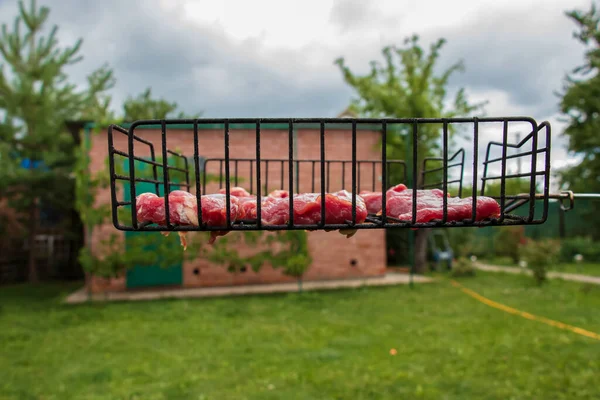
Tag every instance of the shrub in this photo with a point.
(585, 246)
(462, 267)
(468, 242)
(539, 254)
(507, 242)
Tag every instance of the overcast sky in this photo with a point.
(268, 58)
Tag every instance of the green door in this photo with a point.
(150, 275)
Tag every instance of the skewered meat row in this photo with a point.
(430, 205)
(275, 208)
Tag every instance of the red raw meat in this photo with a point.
(373, 199)
(150, 208)
(247, 210)
(183, 210)
(279, 194)
(430, 206)
(214, 212)
(214, 209)
(236, 191)
(307, 209)
(248, 205)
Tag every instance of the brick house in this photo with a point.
(334, 256)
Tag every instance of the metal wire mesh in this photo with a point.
(534, 147)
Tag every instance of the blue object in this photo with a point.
(26, 163)
(441, 253)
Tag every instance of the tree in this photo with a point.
(145, 107)
(512, 186)
(36, 98)
(580, 104)
(406, 86)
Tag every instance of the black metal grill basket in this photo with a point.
(485, 150)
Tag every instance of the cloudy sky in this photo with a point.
(268, 58)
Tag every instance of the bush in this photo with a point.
(585, 246)
(462, 267)
(539, 255)
(468, 242)
(507, 242)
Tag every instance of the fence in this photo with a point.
(560, 224)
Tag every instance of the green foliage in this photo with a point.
(507, 241)
(145, 107)
(463, 267)
(148, 249)
(86, 188)
(293, 257)
(512, 186)
(581, 105)
(540, 255)
(588, 248)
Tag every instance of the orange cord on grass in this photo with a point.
(524, 314)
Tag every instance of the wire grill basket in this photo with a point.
(442, 167)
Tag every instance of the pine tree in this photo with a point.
(36, 99)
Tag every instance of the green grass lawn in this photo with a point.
(325, 345)
(583, 268)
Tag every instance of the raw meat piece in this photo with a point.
(150, 208)
(214, 212)
(183, 210)
(430, 205)
(247, 209)
(214, 209)
(307, 209)
(373, 199)
(236, 191)
(248, 204)
(279, 194)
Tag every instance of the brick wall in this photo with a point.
(334, 256)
